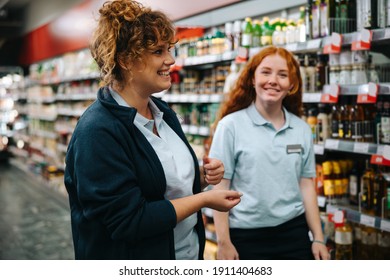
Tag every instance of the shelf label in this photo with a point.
(367, 220)
(319, 149)
(334, 46)
(385, 225)
(321, 201)
(363, 41)
(330, 93)
(184, 98)
(204, 131)
(204, 98)
(193, 129)
(216, 97)
(386, 152)
(379, 160)
(332, 144)
(370, 96)
(361, 148)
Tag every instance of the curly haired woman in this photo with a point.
(134, 182)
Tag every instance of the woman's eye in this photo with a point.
(158, 51)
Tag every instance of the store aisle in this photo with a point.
(34, 221)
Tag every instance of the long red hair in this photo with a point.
(243, 93)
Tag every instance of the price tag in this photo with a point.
(292, 47)
(371, 95)
(216, 98)
(314, 44)
(387, 33)
(367, 220)
(185, 128)
(332, 144)
(319, 149)
(184, 98)
(385, 225)
(386, 152)
(193, 129)
(334, 45)
(204, 131)
(174, 97)
(361, 148)
(204, 98)
(363, 41)
(330, 93)
(193, 98)
(321, 201)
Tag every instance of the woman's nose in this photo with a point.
(169, 60)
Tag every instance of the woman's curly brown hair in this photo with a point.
(125, 30)
(243, 93)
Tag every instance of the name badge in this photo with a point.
(297, 148)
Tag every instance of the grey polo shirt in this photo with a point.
(265, 165)
(179, 170)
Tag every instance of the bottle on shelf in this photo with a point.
(369, 243)
(383, 248)
(343, 240)
(266, 36)
(354, 183)
(323, 127)
(368, 123)
(367, 188)
(312, 121)
(385, 122)
(335, 120)
(329, 181)
(315, 19)
(379, 192)
(357, 241)
(247, 33)
(257, 33)
(357, 122)
(308, 20)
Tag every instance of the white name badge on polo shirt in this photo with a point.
(296, 148)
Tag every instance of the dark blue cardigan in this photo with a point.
(116, 186)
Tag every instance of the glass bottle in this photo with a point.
(357, 121)
(379, 192)
(369, 242)
(357, 241)
(266, 37)
(335, 117)
(327, 170)
(343, 240)
(322, 124)
(312, 121)
(367, 189)
(354, 183)
(385, 123)
(383, 248)
(256, 38)
(247, 33)
(308, 20)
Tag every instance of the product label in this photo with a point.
(343, 238)
(353, 186)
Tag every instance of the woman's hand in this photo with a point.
(213, 170)
(320, 251)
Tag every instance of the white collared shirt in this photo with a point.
(179, 170)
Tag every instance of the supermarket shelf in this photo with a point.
(355, 216)
(193, 98)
